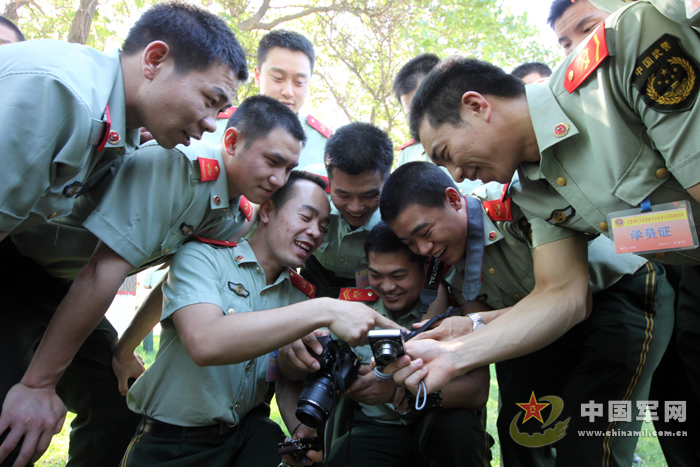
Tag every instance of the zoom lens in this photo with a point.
(316, 401)
(387, 352)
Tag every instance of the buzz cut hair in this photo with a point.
(556, 11)
(287, 40)
(18, 32)
(381, 239)
(258, 115)
(359, 147)
(280, 197)
(407, 78)
(525, 69)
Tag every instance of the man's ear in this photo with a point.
(266, 210)
(475, 105)
(453, 198)
(231, 137)
(256, 75)
(154, 56)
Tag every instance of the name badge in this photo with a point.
(362, 278)
(692, 7)
(665, 227)
(273, 369)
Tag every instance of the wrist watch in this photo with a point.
(477, 320)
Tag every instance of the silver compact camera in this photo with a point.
(387, 345)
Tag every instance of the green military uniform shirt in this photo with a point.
(386, 413)
(686, 12)
(416, 153)
(615, 140)
(146, 210)
(508, 270)
(311, 153)
(175, 389)
(343, 249)
(52, 121)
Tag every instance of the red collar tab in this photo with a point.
(210, 241)
(209, 169)
(499, 210)
(357, 295)
(408, 143)
(246, 208)
(318, 126)
(105, 134)
(592, 55)
(228, 113)
(302, 284)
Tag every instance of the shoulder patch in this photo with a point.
(357, 295)
(498, 210)
(592, 55)
(302, 284)
(318, 126)
(211, 241)
(246, 208)
(408, 143)
(665, 76)
(228, 113)
(209, 169)
(559, 216)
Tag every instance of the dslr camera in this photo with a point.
(339, 369)
(387, 345)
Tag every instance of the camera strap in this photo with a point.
(430, 286)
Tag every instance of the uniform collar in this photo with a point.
(128, 139)
(413, 313)
(547, 120)
(489, 192)
(369, 225)
(219, 188)
(244, 254)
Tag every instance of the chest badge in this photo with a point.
(238, 289)
(560, 216)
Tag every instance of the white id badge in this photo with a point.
(667, 227)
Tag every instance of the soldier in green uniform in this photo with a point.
(608, 358)
(166, 66)
(405, 85)
(386, 430)
(9, 32)
(284, 71)
(224, 310)
(358, 160)
(133, 219)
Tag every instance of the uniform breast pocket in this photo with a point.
(645, 174)
(238, 298)
(174, 240)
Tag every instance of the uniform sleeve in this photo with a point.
(44, 134)
(149, 192)
(672, 127)
(193, 278)
(544, 232)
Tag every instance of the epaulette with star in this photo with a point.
(587, 60)
(302, 284)
(318, 126)
(499, 209)
(351, 294)
(208, 168)
(211, 241)
(227, 114)
(246, 208)
(408, 143)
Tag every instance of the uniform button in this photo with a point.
(166, 251)
(342, 260)
(603, 226)
(224, 210)
(516, 296)
(492, 271)
(571, 75)
(248, 366)
(257, 269)
(461, 192)
(659, 255)
(561, 181)
(120, 150)
(52, 215)
(216, 200)
(262, 293)
(235, 405)
(662, 173)
(231, 311)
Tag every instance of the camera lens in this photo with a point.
(387, 351)
(316, 401)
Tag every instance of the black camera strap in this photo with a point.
(430, 286)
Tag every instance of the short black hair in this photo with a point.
(6, 22)
(359, 147)
(280, 197)
(416, 68)
(381, 239)
(197, 39)
(421, 183)
(258, 115)
(440, 94)
(525, 69)
(287, 40)
(556, 10)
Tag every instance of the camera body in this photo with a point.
(387, 345)
(339, 369)
(299, 447)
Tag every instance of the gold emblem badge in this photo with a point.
(238, 289)
(560, 216)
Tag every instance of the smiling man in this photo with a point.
(147, 210)
(284, 70)
(358, 160)
(179, 66)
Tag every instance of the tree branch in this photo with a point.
(82, 21)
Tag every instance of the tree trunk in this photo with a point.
(82, 21)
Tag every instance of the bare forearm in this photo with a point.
(287, 394)
(470, 391)
(146, 318)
